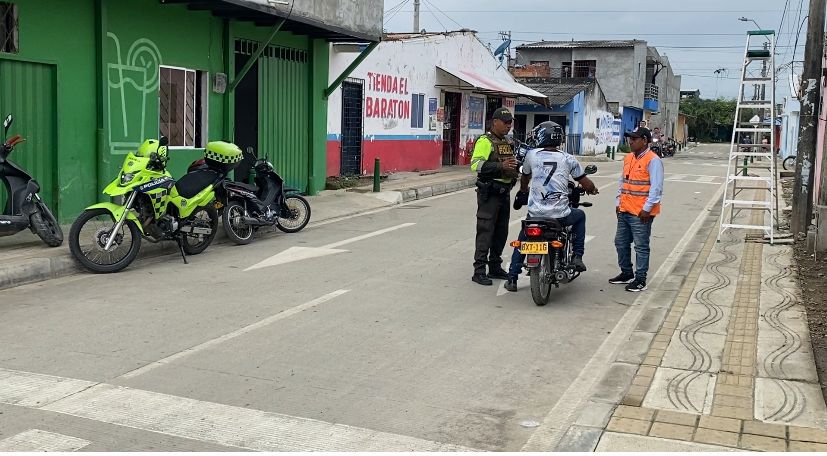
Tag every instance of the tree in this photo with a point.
(710, 120)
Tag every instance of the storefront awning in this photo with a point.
(469, 80)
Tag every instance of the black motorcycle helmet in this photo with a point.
(547, 134)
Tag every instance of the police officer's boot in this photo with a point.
(482, 279)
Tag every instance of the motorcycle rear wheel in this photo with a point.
(196, 243)
(540, 290)
(45, 225)
(300, 214)
(232, 218)
(91, 257)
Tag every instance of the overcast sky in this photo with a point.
(699, 36)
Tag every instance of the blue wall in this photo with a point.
(631, 120)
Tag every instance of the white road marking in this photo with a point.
(501, 289)
(37, 440)
(676, 176)
(304, 253)
(240, 332)
(225, 425)
(37, 390)
(557, 422)
(706, 179)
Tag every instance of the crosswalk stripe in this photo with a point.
(37, 440)
(676, 177)
(230, 426)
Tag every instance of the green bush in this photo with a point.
(624, 148)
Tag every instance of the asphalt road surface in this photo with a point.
(363, 334)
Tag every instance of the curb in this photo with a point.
(35, 270)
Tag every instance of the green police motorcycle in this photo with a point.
(106, 237)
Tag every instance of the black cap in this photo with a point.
(640, 132)
(503, 114)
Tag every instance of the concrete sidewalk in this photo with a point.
(24, 258)
(721, 359)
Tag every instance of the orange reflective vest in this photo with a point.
(634, 191)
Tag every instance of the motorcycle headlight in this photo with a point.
(127, 178)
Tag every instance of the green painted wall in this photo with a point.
(73, 55)
(142, 35)
(106, 55)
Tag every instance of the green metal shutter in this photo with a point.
(284, 112)
(28, 91)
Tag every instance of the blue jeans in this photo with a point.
(576, 219)
(631, 229)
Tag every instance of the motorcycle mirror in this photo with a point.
(591, 169)
(7, 123)
(163, 142)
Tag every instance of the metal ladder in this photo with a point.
(754, 118)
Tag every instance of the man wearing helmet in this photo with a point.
(544, 186)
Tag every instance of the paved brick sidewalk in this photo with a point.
(725, 365)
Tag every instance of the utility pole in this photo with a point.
(808, 134)
(416, 16)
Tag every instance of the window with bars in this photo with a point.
(8, 28)
(182, 113)
(418, 110)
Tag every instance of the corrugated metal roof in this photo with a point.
(558, 90)
(581, 44)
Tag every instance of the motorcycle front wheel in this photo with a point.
(44, 224)
(89, 235)
(233, 220)
(203, 217)
(540, 287)
(299, 214)
(789, 163)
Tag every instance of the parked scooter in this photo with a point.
(548, 249)
(247, 208)
(24, 208)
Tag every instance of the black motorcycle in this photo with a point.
(24, 208)
(548, 249)
(247, 208)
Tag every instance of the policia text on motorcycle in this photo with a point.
(496, 167)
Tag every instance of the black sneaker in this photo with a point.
(577, 262)
(482, 279)
(511, 285)
(637, 286)
(497, 273)
(622, 278)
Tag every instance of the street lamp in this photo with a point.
(746, 19)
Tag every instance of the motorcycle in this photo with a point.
(248, 208)
(548, 249)
(24, 208)
(669, 148)
(157, 208)
(657, 147)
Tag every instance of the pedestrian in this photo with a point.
(496, 169)
(544, 187)
(638, 203)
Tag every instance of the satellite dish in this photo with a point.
(503, 47)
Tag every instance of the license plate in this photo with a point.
(534, 248)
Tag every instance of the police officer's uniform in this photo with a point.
(493, 200)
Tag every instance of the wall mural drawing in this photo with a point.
(131, 82)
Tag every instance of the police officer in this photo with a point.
(496, 169)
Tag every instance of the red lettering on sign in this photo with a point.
(369, 107)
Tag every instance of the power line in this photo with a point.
(443, 13)
(606, 11)
(425, 3)
(404, 2)
(620, 34)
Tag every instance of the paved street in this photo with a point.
(364, 333)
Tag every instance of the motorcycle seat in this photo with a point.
(193, 183)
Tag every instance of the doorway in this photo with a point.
(352, 127)
(246, 116)
(451, 129)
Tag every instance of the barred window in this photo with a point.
(182, 106)
(8, 28)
